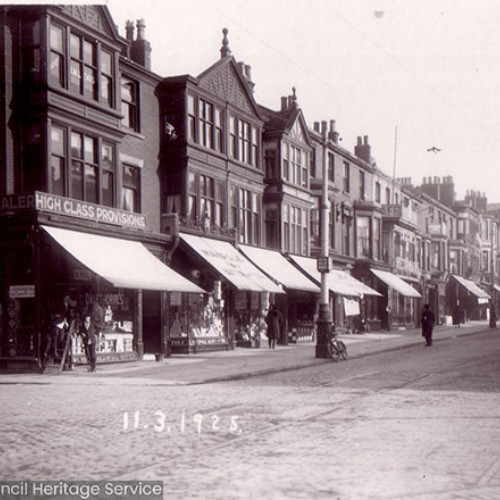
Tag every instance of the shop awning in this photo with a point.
(339, 282)
(396, 283)
(496, 287)
(124, 263)
(471, 287)
(231, 264)
(279, 268)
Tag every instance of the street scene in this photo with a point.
(396, 420)
(249, 250)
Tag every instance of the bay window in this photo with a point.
(73, 65)
(81, 166)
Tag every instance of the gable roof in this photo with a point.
(289, 121)
(97, 17)
(225, 80)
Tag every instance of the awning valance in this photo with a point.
(279, 268)
(339, 282)
(396, 283)
(351, 307)
(123, 263)
(231, 264)
(471, 287)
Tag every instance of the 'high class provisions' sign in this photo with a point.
(73, 208)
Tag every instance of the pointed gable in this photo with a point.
(297, 131)
(296, 127)
(224, 80)
(94, 16)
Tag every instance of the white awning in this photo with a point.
(124, 263)
(279, 268)
(396, 283)
(339, 282)
(471, 287)
(231, 264)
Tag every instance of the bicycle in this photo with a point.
(339, 349)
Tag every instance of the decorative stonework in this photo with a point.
(225, 83)
(88, 14)
(297, 131)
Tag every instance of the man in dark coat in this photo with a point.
(427, 321)
(92, 325)
(274, 319)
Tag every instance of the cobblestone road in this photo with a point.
(369, 428)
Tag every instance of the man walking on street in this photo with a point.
(274, 319)
(427, 321)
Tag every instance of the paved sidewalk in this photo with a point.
(240, 363)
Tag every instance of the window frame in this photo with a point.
(130, 106)
(90, 70)
(135, 188)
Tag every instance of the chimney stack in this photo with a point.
(333, 135)
(140, 50)
(363, 149)
(324, 128)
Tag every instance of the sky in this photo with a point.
(409, 74)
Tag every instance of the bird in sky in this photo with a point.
(434, 149)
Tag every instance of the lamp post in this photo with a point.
(323, 345)
(493, 314)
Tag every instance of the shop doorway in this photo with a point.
(152, 336)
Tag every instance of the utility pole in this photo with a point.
(323, 344)
(493, 314)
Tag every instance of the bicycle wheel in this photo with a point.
(335, 352)
(342, 349)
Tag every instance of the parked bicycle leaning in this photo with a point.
(338, 348)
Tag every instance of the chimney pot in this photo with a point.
(141, 27)
(316, 127)
(365, 139)
(284, 103)
(129, 30)
(324, 127)
(359, 141)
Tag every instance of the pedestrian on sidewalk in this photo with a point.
(274, 319)
(93, 324)
(427, 321)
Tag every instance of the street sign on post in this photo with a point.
(323, 264)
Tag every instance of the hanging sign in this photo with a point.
(22, 291)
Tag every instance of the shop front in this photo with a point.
(465, 300)
(348, 295)
(298, 305)
(232, 313)
(401, 305)
(49, 261)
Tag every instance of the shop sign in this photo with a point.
(22, 291)
(13, 202)
(323, 264)
(73, 208)
(81, 275)
(89, 211)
